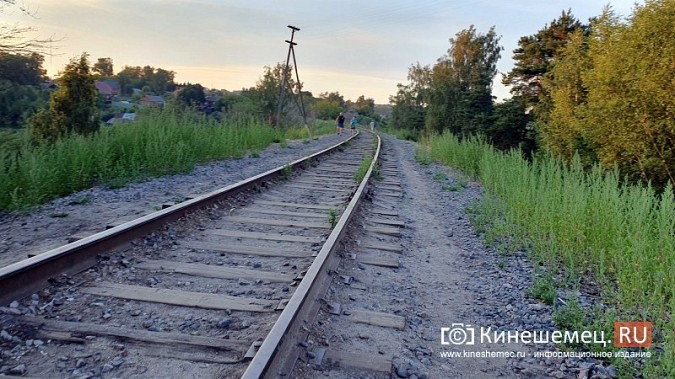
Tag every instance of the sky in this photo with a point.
(354, 47)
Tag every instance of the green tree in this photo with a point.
(22, 69)
(512, 127)
(104, 67)
(266, 92)
(19, 102)
(410, 102)
(72, 108)
(533, 59)
(158, 80)
(161, 81)
(612, 94)
(562, 131)
(631, 92)
(191, 95)
(461, 83)
(365, 106)
(328, 105)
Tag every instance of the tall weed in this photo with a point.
(587, 223)
(159, 143)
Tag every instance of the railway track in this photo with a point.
(355, 331)
(226, 284)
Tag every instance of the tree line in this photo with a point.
(603, 90)
(72, 104)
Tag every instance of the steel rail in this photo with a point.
(279, 352)
(23, 278)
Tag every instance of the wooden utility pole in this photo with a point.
(291, 51)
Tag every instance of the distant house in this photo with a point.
(114, 86)
(152, 101)
(108, 88)
(104, 88)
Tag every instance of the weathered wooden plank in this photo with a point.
(181, 298)
(387, 187)
(384, 221)
(330, 177)
(385, 247)
(316, 188)
(287, 223)
(263, 236)
(68, 330)
(373, 362)
(386, 320)
(322, 215)
(375, 260)
(384, 230)
(250, 250)
(335, 169)
(341, 184)
(295, 205)
(390, 194)
(384, 212)
(210, 271)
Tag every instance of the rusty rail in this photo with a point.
(23, 278)
(278, 353)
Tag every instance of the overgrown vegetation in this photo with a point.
(332, 217)
(601, 90)
(362, 170)
(584, 226)
(161, 143)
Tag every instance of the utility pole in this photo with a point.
(291, 51)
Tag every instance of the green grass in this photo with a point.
(310, 131)
(544, 289)
(286, 172)
(581, 224)
(332, 217)
(362, 170)
(159, 143)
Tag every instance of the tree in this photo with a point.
(533, 59)
(365, 107)
(19, 102)
(328, 105)
(72, 108)
(104, 67)
(22, 69)
(158, 80)
(612, 94)
(460, 97)
(631, 98)
(562, 131)
(512, 127)
(161, 81)
(192, 95)
(266, 92)
(410, 102)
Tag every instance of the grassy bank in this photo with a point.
(159, 143)
(589, 226)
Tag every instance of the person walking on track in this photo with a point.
(352, 126)
(340, 121)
